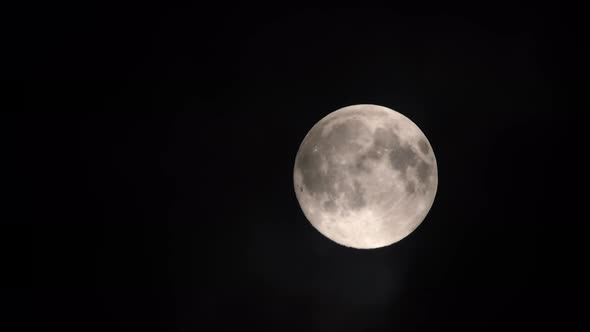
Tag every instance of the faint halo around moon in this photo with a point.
(365, 176)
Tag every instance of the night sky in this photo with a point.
(152, 169)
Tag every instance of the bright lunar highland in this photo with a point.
(365, 176)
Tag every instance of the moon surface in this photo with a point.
(365, 176)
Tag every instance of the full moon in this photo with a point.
(365, 176)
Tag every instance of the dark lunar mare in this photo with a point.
(410, 187)
(424, 169)
(423, 145)
(402, 157)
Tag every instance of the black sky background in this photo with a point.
(152, 168)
